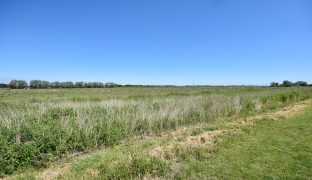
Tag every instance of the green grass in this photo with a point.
(98, 94)
(128, 165)
(55, 123)
(280, 149)
(270, 150)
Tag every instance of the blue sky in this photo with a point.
(156, 41)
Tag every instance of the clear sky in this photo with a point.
(156, 41)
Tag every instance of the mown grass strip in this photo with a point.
(269, 150)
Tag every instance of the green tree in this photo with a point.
(110, 85)
(2, 85)
(101, 85)
(13, 84)
(274, 84)
(44, 84)
(287, 83)
(18, 84)
(55, 84)
(301, 83)
(35, 84)
(79, 84)
(21, 84)
(69, 84)
(88, 85)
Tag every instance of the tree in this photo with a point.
(21, 84)
(68, 84)
(301, 83)
(110, 85)
(13, 84)
(274, 84)
(93, 85)
(55, 84)
(100, 85)
(88, 85)
(79, 84)
(2, 85)
(287, 83)
(18, 84)
(97, 85)
(35, 84)
(44, 84)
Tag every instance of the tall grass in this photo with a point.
(49, 130)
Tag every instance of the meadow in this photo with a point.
(41, 126)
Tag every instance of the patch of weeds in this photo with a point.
(209, 129)
(81, 166)
(135, 166)
(182, 153)
(196, 132)
(27, 176)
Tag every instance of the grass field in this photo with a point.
(142, 132)
(270, 150)
(273, 146)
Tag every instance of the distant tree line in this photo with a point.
(2, 85)
(18, 84)
(39, 84)
(287, 83)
